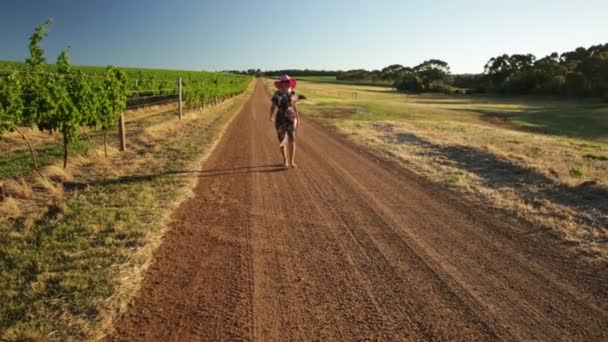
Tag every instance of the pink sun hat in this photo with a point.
(285, 78)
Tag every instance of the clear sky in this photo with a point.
(314, 34)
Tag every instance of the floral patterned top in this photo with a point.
(284, 103)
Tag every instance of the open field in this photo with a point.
(541, 160)
(333, 80)
(74, 245)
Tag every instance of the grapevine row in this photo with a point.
(65, 99)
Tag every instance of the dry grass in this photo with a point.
(548, 180)
(29, 199)
(54, 190)
(18, 188)
(144, 112)
(10, 208)
(12, 141)
(56, 173)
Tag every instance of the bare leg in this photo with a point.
(284, 154)
(292, 153)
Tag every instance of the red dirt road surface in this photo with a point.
(350, 246)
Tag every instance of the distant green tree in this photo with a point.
(499, 69)
(520, 62)
(394, 72)
(595, 70)
(376, 76)
(353, 75)
(410, 82)
(435, 74)
(573, 58)
(576, 84)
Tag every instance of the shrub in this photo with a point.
(577, 172)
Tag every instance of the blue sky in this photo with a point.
(314, 34)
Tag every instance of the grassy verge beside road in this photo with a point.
(74, 246)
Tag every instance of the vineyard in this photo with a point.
(75, 236)
(66, 99)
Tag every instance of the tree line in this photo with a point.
(582, 72)
(579, 73)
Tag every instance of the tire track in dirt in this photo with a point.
(351, 246)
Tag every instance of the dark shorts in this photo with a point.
(286, 129)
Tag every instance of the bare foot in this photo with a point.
(286, 165)
(294, 165)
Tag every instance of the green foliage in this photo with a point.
(553, 85)
(37, 60)
(371, 76)
(11, 103)
(455, 178)
(114, 99)
(577, 172)
(63, 62)
(498, 69)
(36, 96)
(430, 76)
(578, 73)
(68, 118)
(87, 97)
(395, 72)
(410, 82)
(433, 71)
(215, 87)
(576, 84)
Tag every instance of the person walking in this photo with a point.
(286, 119)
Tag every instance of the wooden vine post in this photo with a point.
(179, 102)
(122, 132)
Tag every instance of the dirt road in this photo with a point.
(350, 246)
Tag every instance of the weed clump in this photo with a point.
(577, 172)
